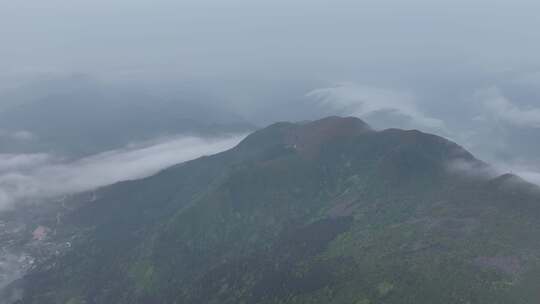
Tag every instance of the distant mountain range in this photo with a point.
(326, 211)
(80, 116)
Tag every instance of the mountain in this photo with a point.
(78, 116)
(327, 211)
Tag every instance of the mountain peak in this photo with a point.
(311, 135)
(307, 136)
(349, 125)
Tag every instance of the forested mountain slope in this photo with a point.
(328, 211)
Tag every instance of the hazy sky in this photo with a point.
(323, 39)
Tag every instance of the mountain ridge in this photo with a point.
(329, 211)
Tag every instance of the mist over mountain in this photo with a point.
(329, 211)
(116, 132)
(62, 136)
(79, 116)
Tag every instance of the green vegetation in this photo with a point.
(323, 212)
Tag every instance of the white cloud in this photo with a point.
(528, 172)
(10, 162)
(21, 135)
(530, 176)
(472, 169)
(34, 176)
(525, 169)
(499, 107)
(364, 101)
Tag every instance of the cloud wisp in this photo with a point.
(527, 171)
(35, 176)
(498, 106)
(365, 101)
(493, 111)
(20, 135)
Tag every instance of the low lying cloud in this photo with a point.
(472, 169)
(530, 176)
(500, 107)
(477, 170)
(364, 101)
(10, 162)
(35, 176)
(527, 171)
(20, 135)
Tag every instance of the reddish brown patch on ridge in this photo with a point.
(308, 138)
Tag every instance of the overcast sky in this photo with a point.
(465, 69)
(325, 39)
